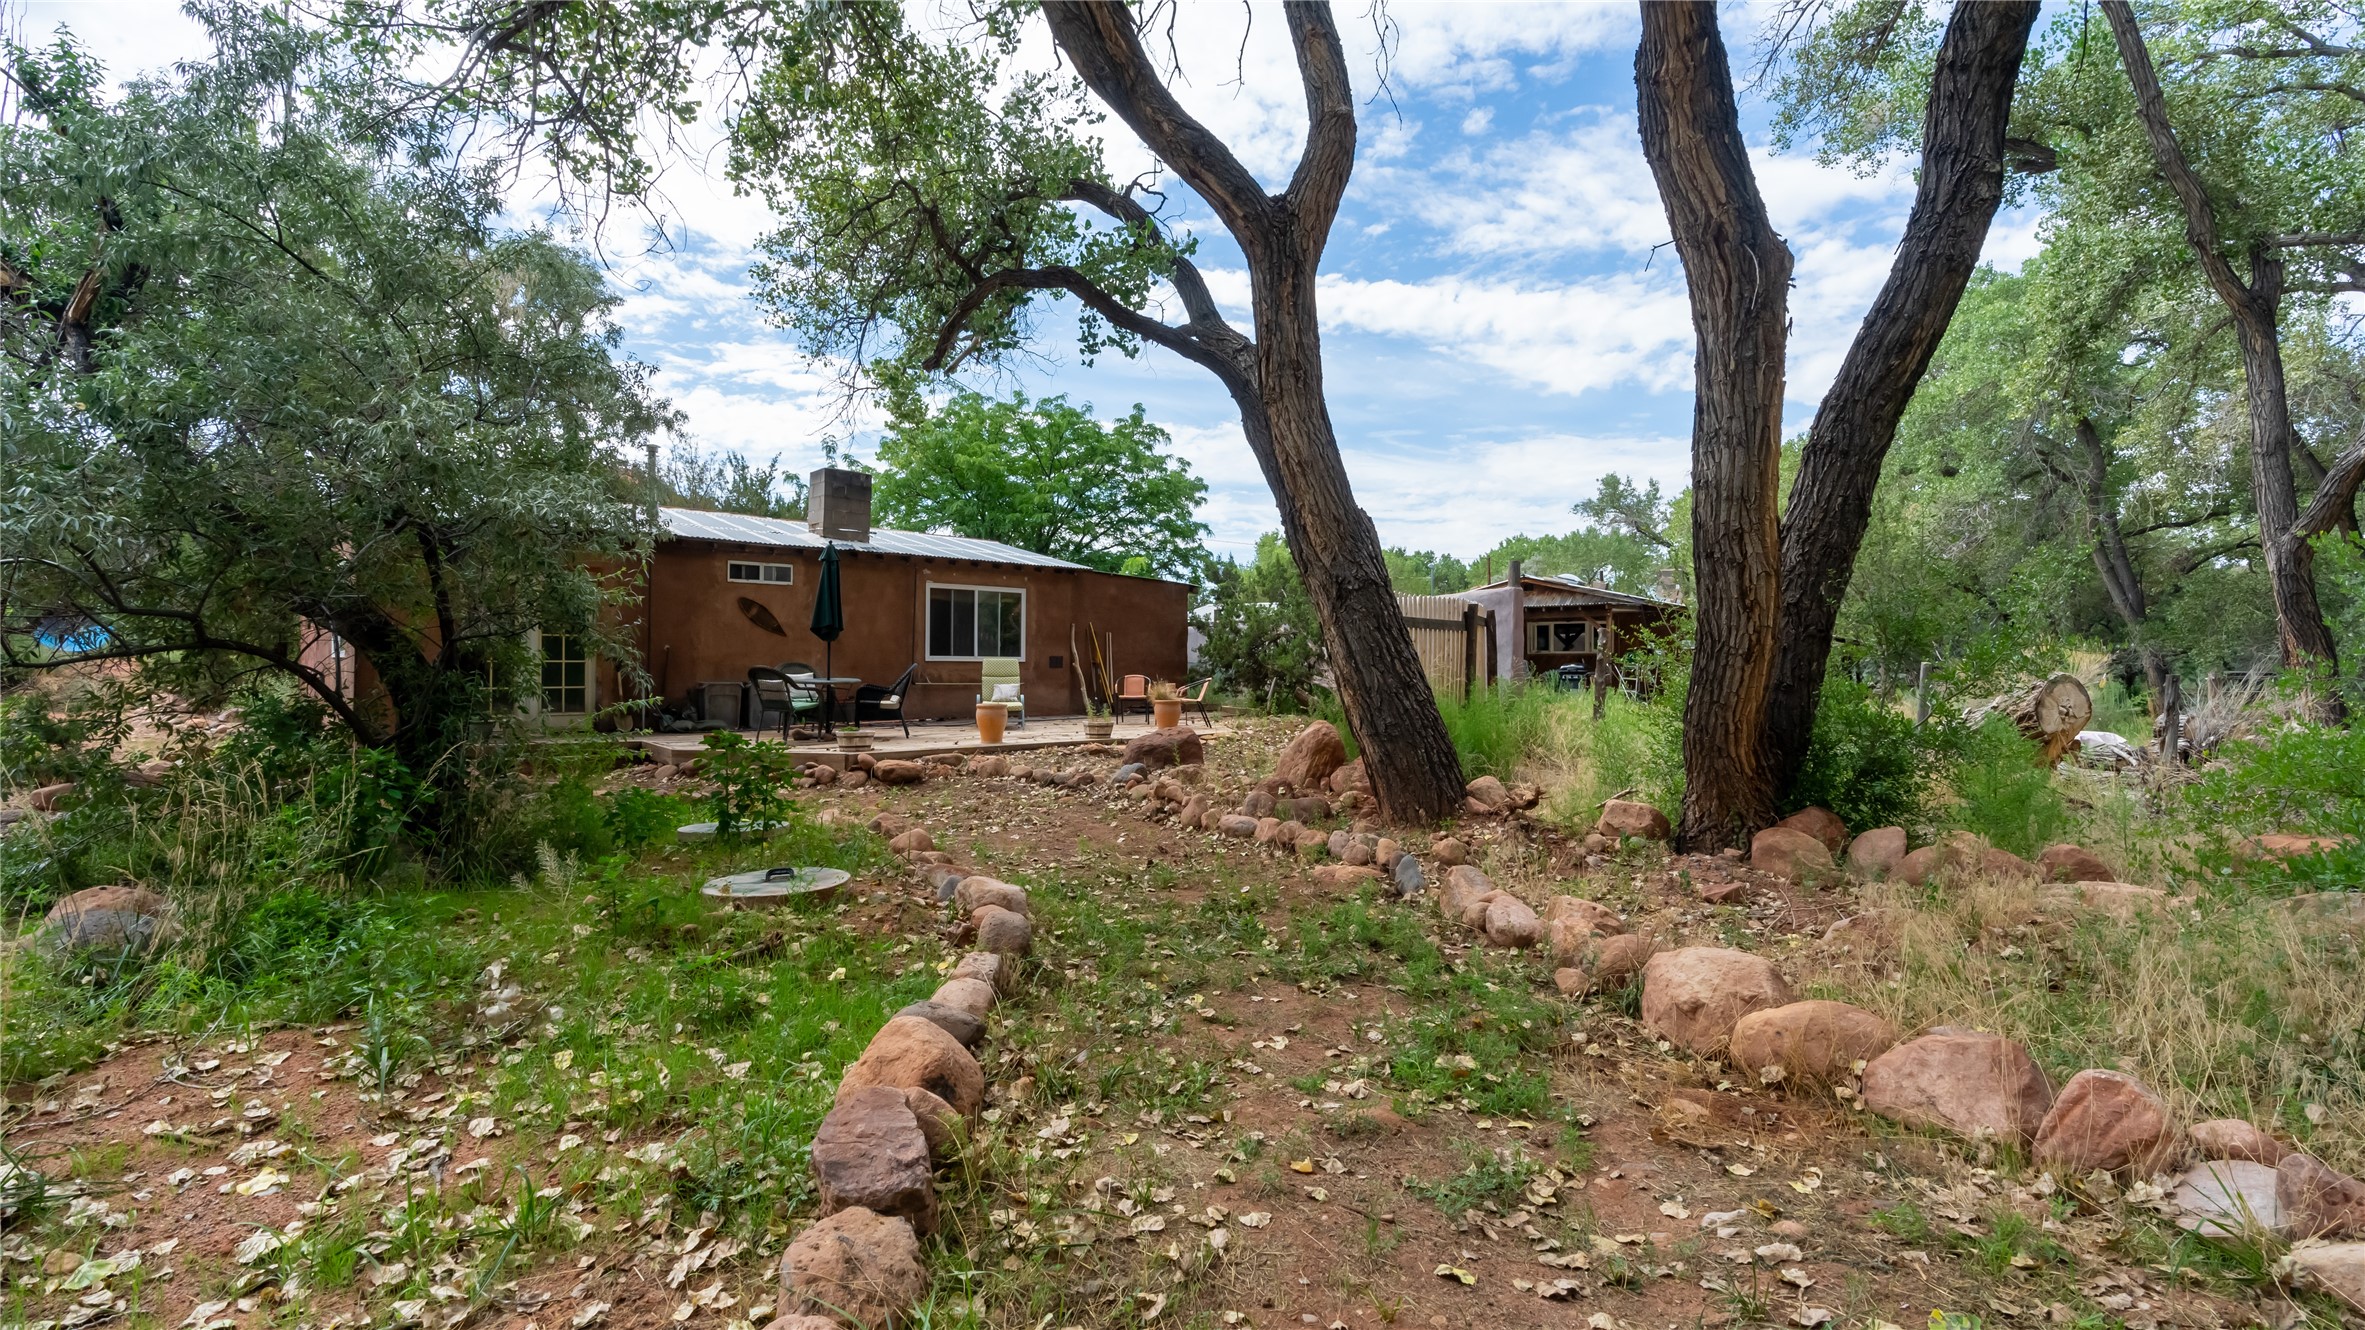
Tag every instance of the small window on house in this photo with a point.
(1541, 635)
(763, 572)
(566, 675)
(965, 623)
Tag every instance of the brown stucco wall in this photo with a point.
(697, 632)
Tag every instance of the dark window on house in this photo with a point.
(763, 572)
(965, 623)
(566, 675)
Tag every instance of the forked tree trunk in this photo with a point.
(1277, 380)
(1962, 181)
(2256, 307)
(1737, 271)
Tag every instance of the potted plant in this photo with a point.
(1165, 704)
(992, 719)
(853, 739)
(1098, 725)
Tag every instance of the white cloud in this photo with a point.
(1580, 337)
(1479, 120)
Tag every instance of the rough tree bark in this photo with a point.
(1738, 274)
(1277, 378)
(1962, 181)
(2256, 307)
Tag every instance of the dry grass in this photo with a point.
(2227, 1009)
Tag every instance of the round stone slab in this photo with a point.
(766, 888)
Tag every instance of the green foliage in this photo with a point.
(1868, 762)
(320, 390)
(1630, 532)
(42, 744)
(1048, 477)
(748, 780)
(1495, 729)
(1264, 641)
(729, 482)
(2003, 793)
(1426, 573)
(2296, 777)
(1494, 1179)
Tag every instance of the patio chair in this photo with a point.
(1196, 699)
(815, 700)
(872, 702)
(776, 692)
(998, 681)
(1133, 693)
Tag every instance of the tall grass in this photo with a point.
(1537, 733)
(2228, 1008)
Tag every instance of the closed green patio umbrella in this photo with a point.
(829, 611)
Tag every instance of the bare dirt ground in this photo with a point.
(1648, 1190)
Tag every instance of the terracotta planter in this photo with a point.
(1099, 727)
(1166, 714)
(992, 717)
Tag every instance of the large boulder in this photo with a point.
(1626, 817)
(2232, 1138)
(1003, 932)
(908, 1052)
(1463, 884)
(113, 919)
(50, 798)
(959, 1022)
(2228, 1198)
(1239, 826)
(1788, 852)
(1877, 852)
(2318, 1201)
(2337, 1268)
(2106, 1120)
(1969, 1084)
(1175, 746)
(1351, 779)
(1593, 914)
(915, 841)
(1822, 824)
(1813, 1042)
(1931, 861)
(990, 968)
(974, 996)
(858, 1265)
(1448, 851)
(2071, 863)
(1311, 755)
(1486, 796)
(1510, 923)
(1604, 963)
(2007, 865)
(977, 891)
(1695, 995)
(896, 771)
(870, 1152)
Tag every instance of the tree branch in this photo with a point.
(2334, 504)
(1103, 40)
(1329, 156)
(2151, 107)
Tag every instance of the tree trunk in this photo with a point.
(2050, 714)
(1962, 181)
(1737, 271)
(2256, 309)
(1414, 769)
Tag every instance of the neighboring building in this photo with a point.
(1545, 623)
(729, 591)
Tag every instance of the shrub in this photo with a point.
(2303, 778)
(2003, 794)
(1868, 763)
(1495, 729)
(746, 777)
(42, 744)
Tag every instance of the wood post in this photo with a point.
(1469, 650)
(2171, 721)
(1921, 696)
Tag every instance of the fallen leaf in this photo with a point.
(591, 1312)
(1457, 1273)
(1675, 1209)
(1301, 1165)
(1255, 1219)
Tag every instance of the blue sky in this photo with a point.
(1499, 331)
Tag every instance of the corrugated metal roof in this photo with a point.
(738, 528)
(1566, 590)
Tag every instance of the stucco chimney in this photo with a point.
(837, 504)
(1669, 588)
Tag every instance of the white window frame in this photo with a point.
(533, 700)
(1540, 638)
(928, 614)
(763, 572)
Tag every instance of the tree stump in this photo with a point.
(2050, 714)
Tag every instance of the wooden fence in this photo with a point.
(1454, 638)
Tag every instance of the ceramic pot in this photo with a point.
(1166, 713)
(992, 717)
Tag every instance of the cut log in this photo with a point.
(2050, 713)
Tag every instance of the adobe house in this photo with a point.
(1543, 623)
(728, 591)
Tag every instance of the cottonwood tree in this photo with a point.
(931, 193)
(1770, 584)
(1045, 476)
(2292, 79)
(263, 382)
